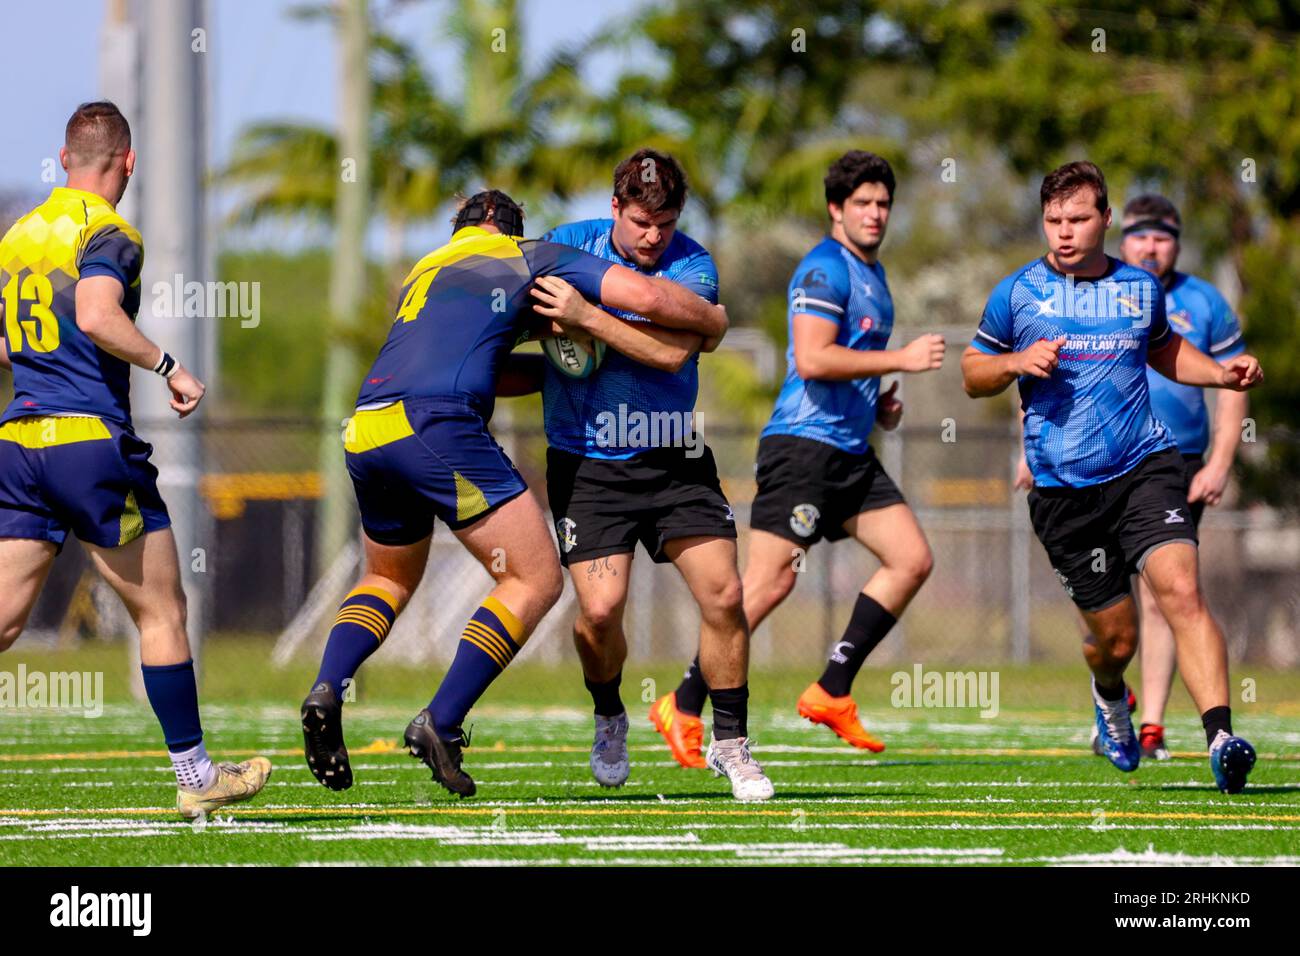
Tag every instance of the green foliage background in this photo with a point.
(1200, 100)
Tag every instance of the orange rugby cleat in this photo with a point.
(683, 732)
(840, 714)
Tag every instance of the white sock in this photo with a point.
(194, 769)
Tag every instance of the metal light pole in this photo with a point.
(172, 156)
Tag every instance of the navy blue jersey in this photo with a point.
(578, 410)
(464, 307)
(1091, 421)
(833, 284)
(1199, 314)
(57, 368)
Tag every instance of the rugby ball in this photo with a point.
(572, 358)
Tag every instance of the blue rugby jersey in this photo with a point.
(1091, 421)
(1201, 315)
(834, 284)
(578, 411)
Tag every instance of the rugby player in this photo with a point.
(611, 486)
(1197, 312)
(1076, 329)
(70, 460)
(418, 447)
(817, 475)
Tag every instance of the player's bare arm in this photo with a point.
(817, 356)
(644, 342)
(662, 301)
(1209, 483)
(984, 375)
(100, 316)
(1183, 362)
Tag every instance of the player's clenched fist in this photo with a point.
(187, 391)
(1041, 358)
(1242, 372)
(889, 410)
(923, 354)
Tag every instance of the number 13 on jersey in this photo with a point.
(27, 314)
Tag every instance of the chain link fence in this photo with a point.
(255, 563)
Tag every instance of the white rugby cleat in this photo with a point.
(732, 759)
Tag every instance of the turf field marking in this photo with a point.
(392, 747)
(1152, 857)
(652, 811)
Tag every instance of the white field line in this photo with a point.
(1152, 857)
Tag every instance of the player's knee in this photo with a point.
(918, 565)
(550, 585)
(1180, 599)
(599, 618)
(725, 601)
(1119, 642)
(543, 580)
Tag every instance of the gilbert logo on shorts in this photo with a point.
(803, 520)
(564, 530)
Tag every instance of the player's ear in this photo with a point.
(130, 162)
(836, 212)
(1105, 217)
(613, 206)
(63, 157)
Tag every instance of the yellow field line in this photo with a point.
(490, 810)
(391, 746)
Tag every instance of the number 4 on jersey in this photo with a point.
(416, 296)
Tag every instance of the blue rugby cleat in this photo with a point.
(1116, 740)
(1231, 759)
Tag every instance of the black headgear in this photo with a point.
(506, 213)
(1151, 225)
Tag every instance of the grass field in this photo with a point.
(952, 788)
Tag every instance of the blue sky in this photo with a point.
(263, 64)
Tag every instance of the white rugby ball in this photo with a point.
(572, 358)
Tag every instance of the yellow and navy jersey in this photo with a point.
(57, 368)
(464, 307)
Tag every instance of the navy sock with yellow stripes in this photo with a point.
(363, 621)
(489, 642)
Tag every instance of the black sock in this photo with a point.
(605, 696)
(1214, 720)
(868, 626)
(692, 691)
(730, 712)
(1109, 693)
